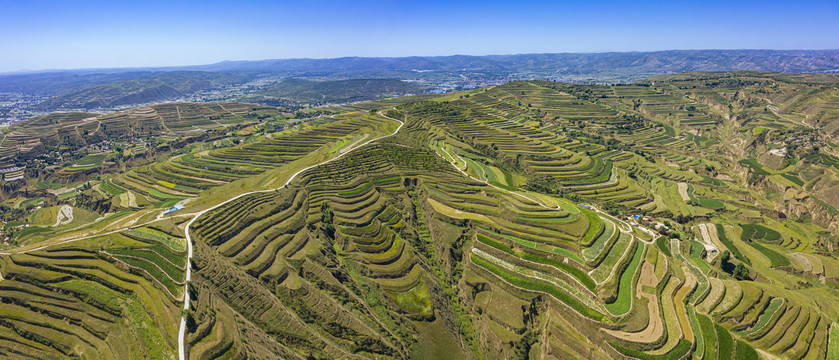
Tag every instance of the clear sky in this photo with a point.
(87, 34)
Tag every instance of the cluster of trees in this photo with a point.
(609, 143)
(8, 213)
(513, 164)
(740, 271)
(630, 122)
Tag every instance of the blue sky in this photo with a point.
(88, 34)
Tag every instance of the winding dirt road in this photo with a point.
(182, 331)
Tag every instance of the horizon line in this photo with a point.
(174, 67)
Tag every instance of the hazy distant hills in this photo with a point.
(660, 62)
(154, 87)
(105, 88)
(60, 82)
(336, 91)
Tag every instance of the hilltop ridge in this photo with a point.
(111, 89)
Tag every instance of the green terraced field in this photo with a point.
(531, 219)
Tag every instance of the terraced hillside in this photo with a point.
(654, 220)
(109, 296)
(66, 135)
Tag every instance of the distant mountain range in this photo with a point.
(659, 62)
(152, 87)
(105, 88)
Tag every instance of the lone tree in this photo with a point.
(725, 262)
(741, 272)
(725, 257)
